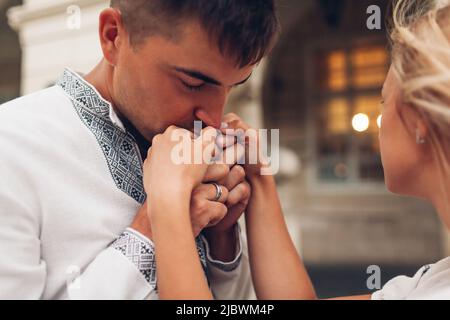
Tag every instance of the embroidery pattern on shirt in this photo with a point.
(140, 253)
(119, 148)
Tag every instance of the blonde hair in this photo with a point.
(420, 40)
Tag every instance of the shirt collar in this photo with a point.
(87, 96)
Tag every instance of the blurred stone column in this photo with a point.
(55, 34)
(10, 56)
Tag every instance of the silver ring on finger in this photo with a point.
(219, 191)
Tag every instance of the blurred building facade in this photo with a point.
(321, 88)
(10, 56)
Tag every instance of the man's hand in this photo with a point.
(238, 190)
(205, 211)
(221, 236)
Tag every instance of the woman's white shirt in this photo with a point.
(431, 282)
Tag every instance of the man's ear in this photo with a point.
(111, 32)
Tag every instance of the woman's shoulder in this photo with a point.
(435, 283)
(432, 281)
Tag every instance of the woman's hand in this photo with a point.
(255, 161)
(176, 164)
(264, 216)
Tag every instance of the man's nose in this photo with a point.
(212, 114)
(208, 119)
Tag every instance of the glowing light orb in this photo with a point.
(360, 122)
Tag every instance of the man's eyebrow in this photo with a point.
(198, 75)
(243, 81)
(201, 76)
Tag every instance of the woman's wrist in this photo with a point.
(170, 191)
(170, 218)
(166, 200)
(262, 187)
(259, 180)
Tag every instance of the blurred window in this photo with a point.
(347, 95)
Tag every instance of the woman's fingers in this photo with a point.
(232, 155)
(224, 141)
(208, 135)
(234, 122)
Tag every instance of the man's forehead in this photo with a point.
(203, 46)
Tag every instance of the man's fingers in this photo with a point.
(232, 216)
(216, 172)
(235, 177)
(213, 214)
(208, 191)
(217, 212)
(241, 193)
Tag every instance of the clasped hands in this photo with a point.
(168, 183)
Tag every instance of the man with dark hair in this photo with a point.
(72, 154)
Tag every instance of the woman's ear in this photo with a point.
(111, 32)
(414, 123)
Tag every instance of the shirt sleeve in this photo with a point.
(126, 270)
(140, 250)
(231, 280)
(22, 271)
(225, 266)
(115, 273)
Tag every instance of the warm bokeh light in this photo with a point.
(337, 115)
(360, 122)
(337, 68)
(369, 66)
(379, 119)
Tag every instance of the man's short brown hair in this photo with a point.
(243, 29)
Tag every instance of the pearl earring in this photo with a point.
(419, 139)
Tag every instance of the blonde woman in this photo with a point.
(415, 146)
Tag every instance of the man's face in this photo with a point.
(166, 82)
